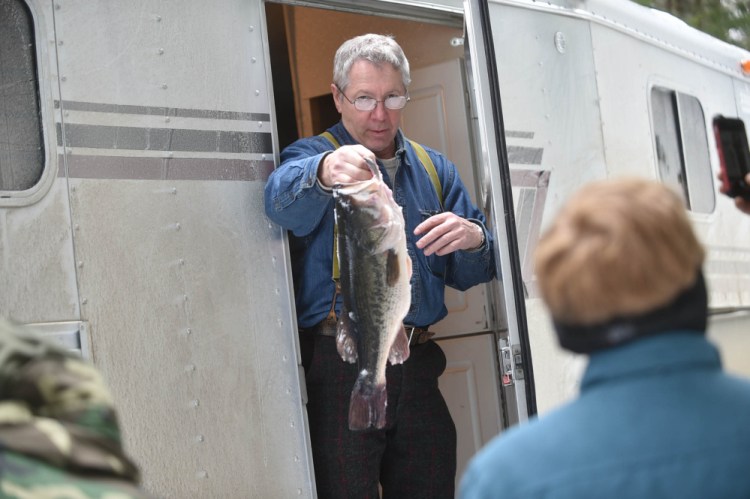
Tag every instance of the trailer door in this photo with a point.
(513, 343)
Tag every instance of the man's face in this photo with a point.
(376, 129)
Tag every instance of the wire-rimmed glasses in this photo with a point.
(363, 103)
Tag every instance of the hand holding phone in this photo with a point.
(734, 157)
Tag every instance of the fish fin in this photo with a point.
(367, 404)
(392, 268)
(400, 349)
(346, 343)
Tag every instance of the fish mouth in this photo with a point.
(371, 195)
(378, 212)
(362, 187)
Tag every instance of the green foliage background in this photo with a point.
(728, 20)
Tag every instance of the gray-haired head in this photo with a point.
(371, 47)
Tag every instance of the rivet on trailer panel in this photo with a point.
(157, 19)
(202, 474)
(560, 42)
(253, 60)
(160, 51)
(252, 28)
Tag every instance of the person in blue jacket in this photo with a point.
(657, 417)
(448, 242)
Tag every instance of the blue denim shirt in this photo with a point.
(295, 200)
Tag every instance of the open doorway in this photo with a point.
(302, 43)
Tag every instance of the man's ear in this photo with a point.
(336, 97)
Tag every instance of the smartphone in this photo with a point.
(734, 156)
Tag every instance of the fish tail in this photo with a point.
(367, 404)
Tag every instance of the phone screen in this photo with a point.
(735, 155)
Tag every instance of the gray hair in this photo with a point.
(371, 47)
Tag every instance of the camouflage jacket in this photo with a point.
(59, 436)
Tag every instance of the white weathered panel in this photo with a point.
(730, 333)
(549, 96)
(551, 118)
(190, 324)
(187, 54)
(630, 149)
(36, 260)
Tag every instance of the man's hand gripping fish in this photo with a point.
(375, 270)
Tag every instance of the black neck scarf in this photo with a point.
(689, 310)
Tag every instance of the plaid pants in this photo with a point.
(414, 456)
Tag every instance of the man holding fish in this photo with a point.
(378, 226)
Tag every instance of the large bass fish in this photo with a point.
(375, 270)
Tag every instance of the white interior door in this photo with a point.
(437, 116)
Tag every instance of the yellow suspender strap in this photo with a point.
(335, 272)
(331, 139)
(427, 164)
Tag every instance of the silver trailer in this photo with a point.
(136, 139)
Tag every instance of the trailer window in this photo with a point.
(681, 143)
(21, 143)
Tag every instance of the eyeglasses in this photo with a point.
(363, 103)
